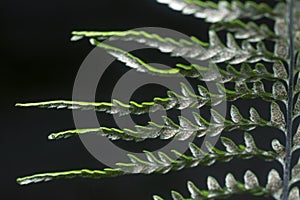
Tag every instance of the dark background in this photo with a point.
(38, 62)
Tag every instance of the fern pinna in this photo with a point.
(247, 60)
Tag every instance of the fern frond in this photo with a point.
(186, 129)
(163, 163)
(84, 173)
(204, 73)
(61, 104)
(232, 187)
(215, 50)
(222, 11)
(246, 31)
(245, 44)
(187, 99)
(231, 74)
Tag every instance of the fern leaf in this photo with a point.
(294, 194)
(279, 149)
(186, 129)
(86, 173)
(246, 31)
(232, 187)
(111, 133)
(133, 61)
(163, 163)
(296, 111)
(187, 99)
(215, 51)
(297, 85)
(222, 11)
(60, 104)
(229, 16)
(295, 173)
(231, 74)
(296, 140)
(281, 47)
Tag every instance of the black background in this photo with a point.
(38, 62)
